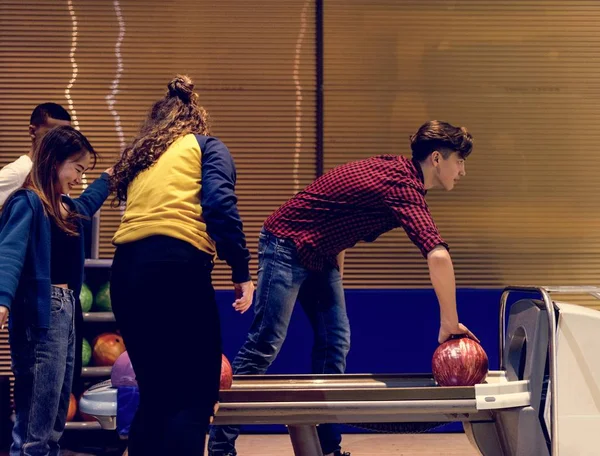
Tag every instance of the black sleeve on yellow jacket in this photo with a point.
(219, 206)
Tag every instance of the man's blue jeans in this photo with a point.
(281, 280)
(43, 361)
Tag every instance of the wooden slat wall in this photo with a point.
(523, 77)
(253, 64)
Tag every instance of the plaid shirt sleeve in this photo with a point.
(412, 212)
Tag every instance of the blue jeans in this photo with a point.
(281, 280)
(42, 362)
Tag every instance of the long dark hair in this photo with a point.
(56, 147)
(175, 115)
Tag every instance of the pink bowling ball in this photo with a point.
(122, 373)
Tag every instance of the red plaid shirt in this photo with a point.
(358, 201)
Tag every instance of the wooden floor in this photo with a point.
(367, 445)
(357, 444)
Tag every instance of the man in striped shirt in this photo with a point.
(301, 251)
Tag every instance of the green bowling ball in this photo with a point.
(102, 302)
(86, 353)
(86, 298)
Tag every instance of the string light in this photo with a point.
(296, 77)
(111, 98)
(74, 33)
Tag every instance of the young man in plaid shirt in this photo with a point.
(301, 251)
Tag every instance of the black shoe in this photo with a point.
(341, 453)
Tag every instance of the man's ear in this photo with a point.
(32, 131)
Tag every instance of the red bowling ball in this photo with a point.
(226, 373)
(460, 361)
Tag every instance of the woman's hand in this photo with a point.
(244, 293)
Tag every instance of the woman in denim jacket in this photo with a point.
(42, 259)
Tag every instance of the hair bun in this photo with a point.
(181, 86)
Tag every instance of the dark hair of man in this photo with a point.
(45, 110)
(440, 136)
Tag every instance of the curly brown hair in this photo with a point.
(175, 115)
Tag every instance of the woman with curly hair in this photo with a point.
(178, 184)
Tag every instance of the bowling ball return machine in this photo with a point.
(544, 399)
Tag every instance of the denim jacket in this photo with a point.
(25, 252)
